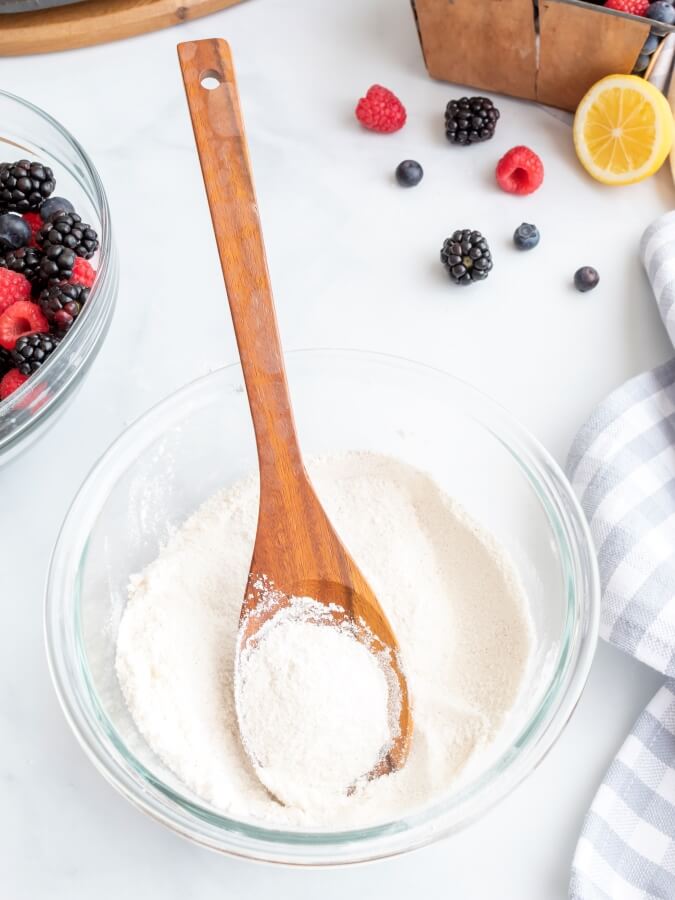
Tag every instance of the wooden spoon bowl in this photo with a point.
(297, 551)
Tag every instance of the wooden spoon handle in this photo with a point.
(226, 169)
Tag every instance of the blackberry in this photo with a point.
(466, 256)
(470, 120)
(25, 260)
(6, 362)
(68, 230)
(24, 185)
(56, 264)
(32, 350)
(62, 304)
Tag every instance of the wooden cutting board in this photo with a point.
(95, 22)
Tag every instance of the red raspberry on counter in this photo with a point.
(380, 110)
(83, 273)
(18, 319)
(13, 287)
(634, 7)
(35, 223)
(10, 382)
(520, 171)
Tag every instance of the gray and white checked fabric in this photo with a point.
(622, 466)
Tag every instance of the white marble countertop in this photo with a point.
(354, 261)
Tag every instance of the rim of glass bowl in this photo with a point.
(27, 406)
(202, 824)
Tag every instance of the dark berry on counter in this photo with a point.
(470, 120)
(32, 350)
(525, 237)
(586, 278)
(15, 232)
(62, 304)
(55, 205)
(409, 173)
(466, 256)
(24, 185)
(26, 261)
(69, 231)
(661, 11)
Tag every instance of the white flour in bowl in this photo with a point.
(452, 597)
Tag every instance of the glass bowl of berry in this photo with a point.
(58, 270)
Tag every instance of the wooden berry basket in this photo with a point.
(551, 50)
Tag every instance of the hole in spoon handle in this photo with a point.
(210, 79)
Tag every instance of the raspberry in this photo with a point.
(13, 287)
(380, 110)
(21, 318)
(520, 171)
(83, 273)
(10, 382)
(35, 223)
(634, 7)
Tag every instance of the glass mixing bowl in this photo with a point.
(29, 132)
(200, 439)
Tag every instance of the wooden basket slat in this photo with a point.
(489, 44)
(575, 50)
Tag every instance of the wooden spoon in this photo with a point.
(296, 549)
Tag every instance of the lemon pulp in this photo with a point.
(623, 129)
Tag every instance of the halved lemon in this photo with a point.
(623, 129)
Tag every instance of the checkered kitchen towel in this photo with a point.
(622, 466)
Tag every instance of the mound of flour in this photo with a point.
(454, 602)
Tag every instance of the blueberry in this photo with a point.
(586, 278)
(661, 11)
(641, 63)
(409, 173)
(14, 231)
(525, 237)
(55, 205)
(651, 44)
